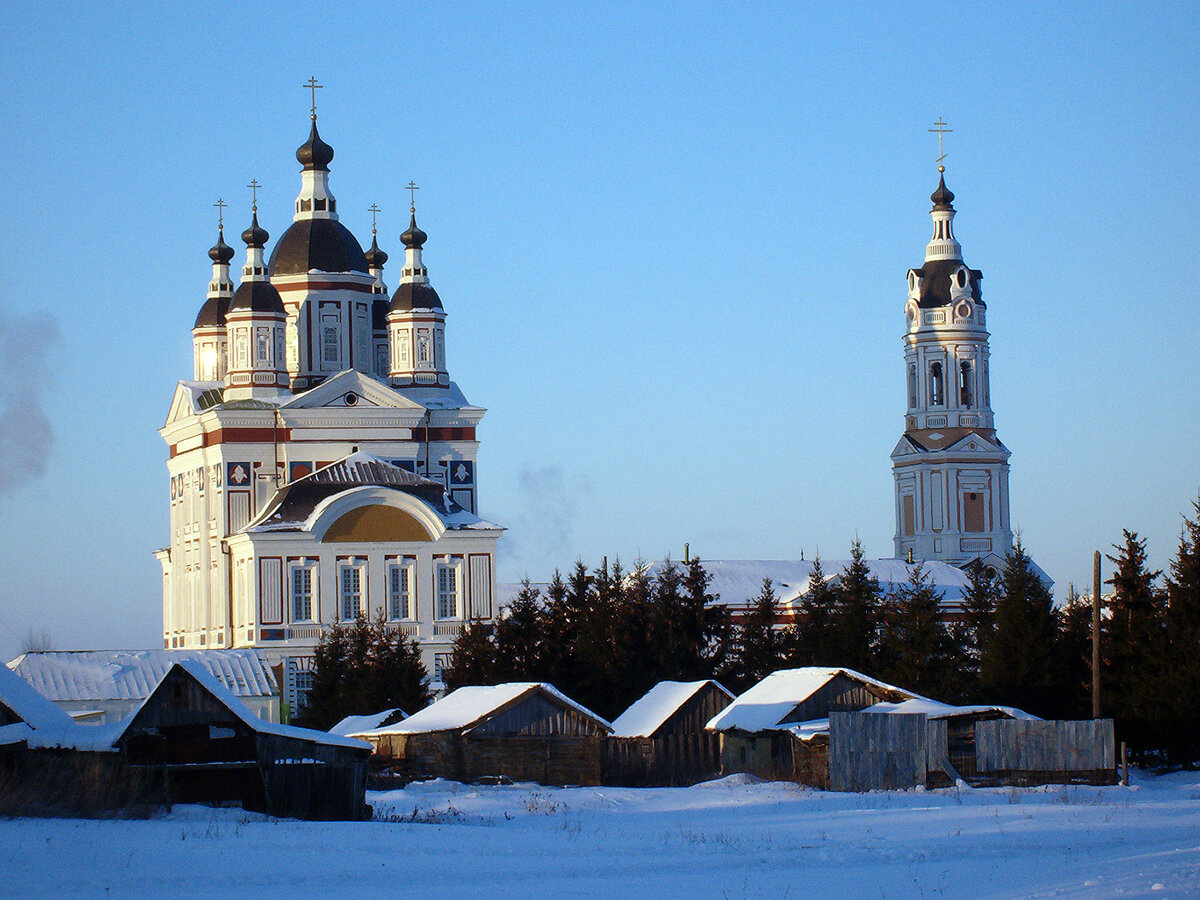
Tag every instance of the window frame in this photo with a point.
(309, 570)
(448, 589)
(358, 570)
(400, 609)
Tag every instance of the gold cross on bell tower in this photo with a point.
(412, 197)
(220, 205)
(941, 129)
(254, 186)
(374, 210)
(312, 85)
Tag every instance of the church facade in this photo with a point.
(322, 462)
(950, 468)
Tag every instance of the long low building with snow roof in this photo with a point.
(523, 731)
(101, 686)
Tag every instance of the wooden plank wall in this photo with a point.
(538, 716)
(673, 760)
(1021, 745)
(868, 751)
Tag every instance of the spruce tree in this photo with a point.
(1132, 644)
(1181, 681)
(759, 647)
(705, 625)
(518, 635)
(976, 626)
(1074, 652)
(856, 616)
(916, 645)
(400, 677)
(330, 667)
(1018, 664)
(473, 658)
(813, 634)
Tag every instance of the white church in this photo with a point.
(322, 462)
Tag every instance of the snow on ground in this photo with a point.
(724, 839)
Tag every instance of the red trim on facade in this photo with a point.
(445, 434)
(314, 285)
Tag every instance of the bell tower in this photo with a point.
(950, 469)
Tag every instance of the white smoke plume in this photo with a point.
(26, 435)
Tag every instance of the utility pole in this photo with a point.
(1096, 635)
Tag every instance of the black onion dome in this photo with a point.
(321, 244)
(414, 238)
(935, 282)
(221, 252)
(212, 313)
(415, 295)
(943, 196)
(315, 153)
(256, 296)
(374, 256)
(255, 235)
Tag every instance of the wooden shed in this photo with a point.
(779, 729)
(209, 747)
(661, 741)
(524, 731)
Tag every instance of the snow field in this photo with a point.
(724, 839)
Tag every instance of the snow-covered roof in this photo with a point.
(88, 675)
(934, 709)
(355, 724)
(253, 722)
(652, 709)
(44, 724)
(467, 706)
(298, 505)
(739, 581)
(768, 703)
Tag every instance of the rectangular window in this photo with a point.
(302, 593)
(240, 341)
(330, 350)
(263, 342)
(447, 591)
(441, 662)
(351, 592)
(399, 598)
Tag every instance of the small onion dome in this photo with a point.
(256, 296)
(942, 197)
(221, 252)
(414, 238)
(315, 153)
(212, 313)
(255, 235)
(323, 245)
(412, 295)
(374, 256)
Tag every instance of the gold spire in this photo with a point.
(254, 186)
(220, 205)
(374, 210)
(312, 85)
(412, 197)
(941, 129)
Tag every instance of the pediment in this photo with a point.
(975, 443)
(351, 388)
(187, 399)
(906, 447)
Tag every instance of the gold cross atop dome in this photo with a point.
(254, 186)
(312, 85)
(941, 129)
(412, 197)
(220, 205)
(374, 211)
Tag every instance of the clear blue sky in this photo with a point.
(671, 239)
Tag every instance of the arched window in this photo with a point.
(964, 384)
(937, 386)
(912, 387)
